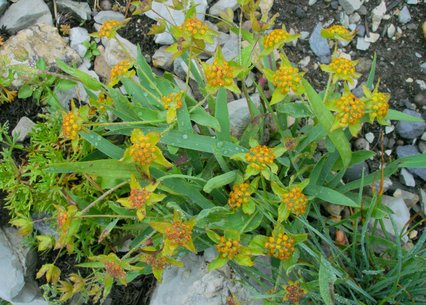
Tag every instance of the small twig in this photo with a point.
(103, 196)
(55, 12)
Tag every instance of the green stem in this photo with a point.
(327, 88)
(103, 196)
(125, 123)
(180, 176)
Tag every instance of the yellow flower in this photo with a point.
(109, 28)
(70, 125)
(240, 195)
(228, 248)
(295, 200)
(342, 69)
(158, 262)
(280, 246)
(120, 70)
(171, 103)
(337, 32)
(193, 28)
(276, 39)
(144, 150)
(377, 104)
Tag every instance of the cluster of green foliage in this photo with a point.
(161, 170)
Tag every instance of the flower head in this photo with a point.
(292, 199)
(144, 150)
(120, 70)
(115, 268)
(141, 197)
(158, 262)
(240, 195)
(276, 39)
(70, 125)
(342, 69)
(337, 32)
(377, 104)
(176, 233)
(280, 246)
(293, 292)
(109, 28)
(171, 103)
(228, 248)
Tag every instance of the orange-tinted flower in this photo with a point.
(120, 70)
(171, 103)
(158, 262)
(260, 157)
(228, 248)
(295, 200)
(109, 28)
(280, 246)
(115, 267)
(240, 195)
(342, 69)
(70, 125)
(293, 292)
(377, 104)
(193, 28)
(338, 32)
(276, 39)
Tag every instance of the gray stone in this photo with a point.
(103, 16)
(420, 99)
(105, 5)
(369, 137)
(412, 2)
(360, 28)
(162, 59)
(334, 5)
(423, 67)
(410, 130)
(79, 35)
(364, 65)
(319, 45)
(404, 15)
(114, 53)
(377, 15)
(22, 129)
(391, 31)
(411, 150)
(423, 201)
(350, 6)
(356, 171)
(194, 285)
(407, 178)
(81, 9)
(422, 147)
(230, 48)
(222, 5)
(361, 144)
(39, 41)
(24, 14)
(180, 68)
(362, 44)
(400, 215)
(410, 199)
(3, 6)
(17, 264)
(239, 114)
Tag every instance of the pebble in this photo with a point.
(411, 150)
(22, 129)
(362, 44)
(362, 10)
(412, 2)
(391, 31)
(103, 16)
(410, 130)
(356, 171)
(372, 37)
(422, 146)
(334, 5)
(389, 129)
(423, 67)
(377, 15)
(105, 5)
(369, 137)
(410, 199)
(162, 59)
(350, 6)
(421, 84)
(319, 45)
(360, 28)
(407, 178)
(361, 144)
(222, 5)
(404, 15)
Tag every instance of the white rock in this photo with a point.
(355, 18)
(162, 59)
(103, 16)
(344, 19)
(391, 30)
(409, 80)
(312, 2)
(114, 53)
(412, 2)
(362, 44)
(304, 35)
(24, 14)
(407, 178)
(377, 15)
(404, 15)
(222, 5)
(401, 216)
(410, 199)
(373, 37)
(239, 114)
(194, 285)
(369, 137)
(305, 61)
(81, 9)
(421, 84)
(389, 129)
(3, 6)
(79, 35)
(22, 129)
(350, 6)
(230, 49)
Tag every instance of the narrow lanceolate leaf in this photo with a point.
(203, 118)
(326, 282)
(401, 116)
(331, 196)
(219, 181)
(222, 115)
(102, 144)
(87, 80)
(326, 119)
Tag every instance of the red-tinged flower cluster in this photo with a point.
(179, 232)
(138, 197)
(281, 246)
(260, 157)
(295, 200)
(156, 262)
(219, 74)
(193, 26)
(114, 269)
(239, 195)
(228, 248)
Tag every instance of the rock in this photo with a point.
(410, 130)
(239, 114)
(18, 263)
(369, 137)
(362, 44)
(404, 15)
(364, 65)
(422, 147)
(300, 12)
(222, 5)
(389, 129)
(162, 59)
(319, 45)
(334, 5)
(423, 201)
(103, 16)
(180, 68)
(355, 18)
(39, 41)
(391, 31)
(230, 48)
(25, 13)
(22, 129)
(356, 171)
(422, 84)
(114, 53)
(387, 184)
(407, 178)
(409, 198)
(81, 9)
(411, 150)
(350, 6)
(372, 37)
(412, 2)
(361, 144)
(101, 66)
(3, 6)
(377, 15)
(194, 285)
(171, 16)
(312, 2)
(401, 215)
(105, 5)
(79, 35)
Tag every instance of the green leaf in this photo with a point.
(326, 119)
(65, 84)
(102, 144)
(329, 195)
(296, 110)
(326, 281)
(219, 181)
(203, 118)
(25, 92)
(222, 116)
(372, 73)
(87, 80)
(415, 161)
(401, 116)
(217, 263)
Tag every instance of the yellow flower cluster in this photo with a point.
(62, 218)
(193, 26)
(219, 74)
(119, 69)
(138, 197)
(295, 200)
(286, 78)
(339, 30)
(379, 105)
(281, 247)
(143, 151)
(70, 126)
(156, 262)
(107, 28)
(275, 37)
(172, 100)
(259, 157)
(179, 232)
(114, 269)
(239, 195)
(228, 248)
(351, 108)
(343, 66)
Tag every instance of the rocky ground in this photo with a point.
(392, 29)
